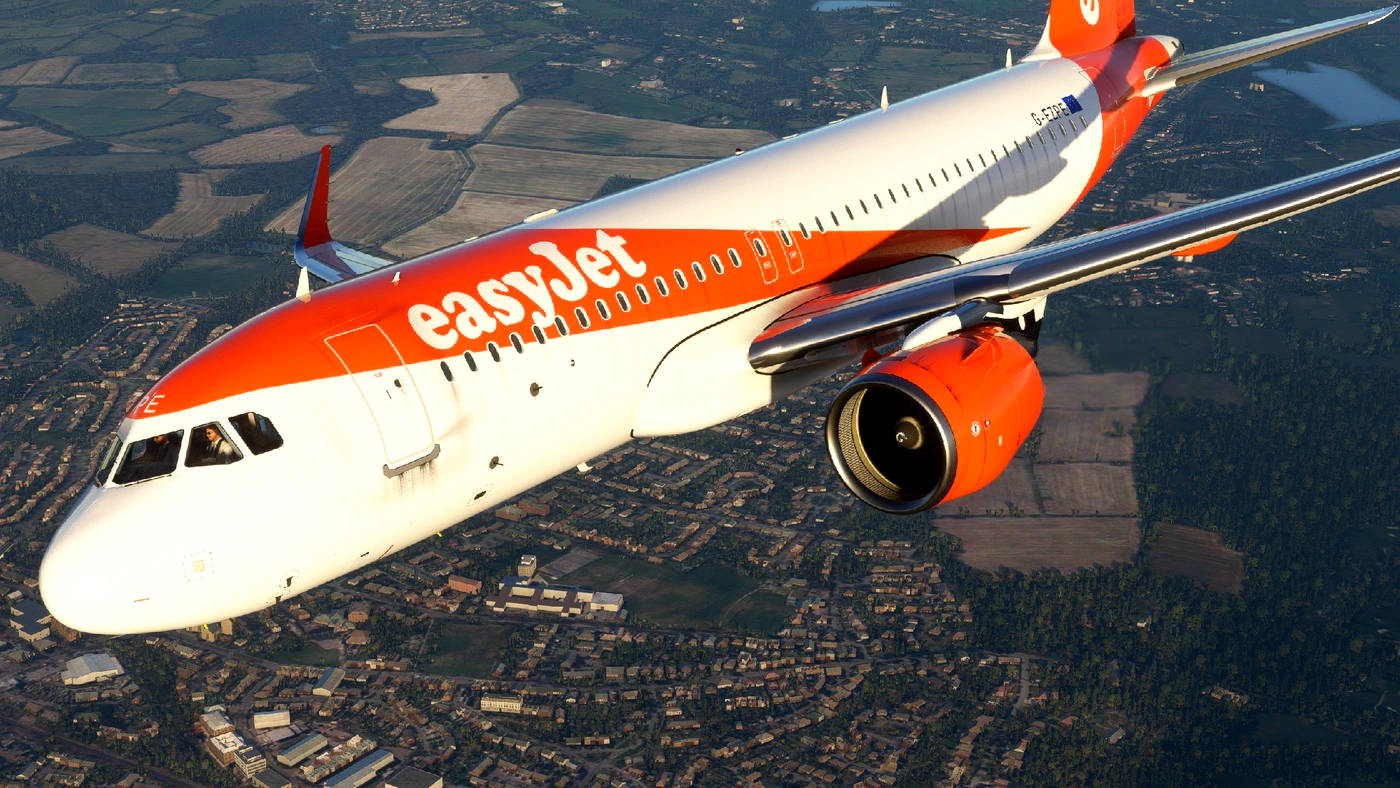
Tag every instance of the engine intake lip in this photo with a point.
(860, 472)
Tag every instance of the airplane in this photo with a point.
(361, 417)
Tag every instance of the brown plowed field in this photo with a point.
(106, 251)
(198, 210)
(1030, 543)
(49, 71)
(1013, 490)
(27, 139)
(1198, 555)
(1087, 488)
(1109, 390)
(40, 282)
(251, 99)
(1086, 435)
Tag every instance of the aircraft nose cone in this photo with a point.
(74, 588)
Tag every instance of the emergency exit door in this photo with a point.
(388, 390)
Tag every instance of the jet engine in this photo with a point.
(924, 426)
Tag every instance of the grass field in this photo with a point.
(1056, 358)
(759, 611)
(465, 102)
(214, 275)
(27, 139)
(1087, 488)
(285, 65)
(103, 163)
(1109, 390)
(391, 183)
(666, 596)
(117, 73)
(102, 113)
(41, 283)
(554, 124)
(311, 654)
(176, 138)
(251, 99)
(1198, 555)
(280, 143)
(558, 174)
(471, 215)
(49, 71)
(1086, 435)
(198, 210)
(213, 68)
(464, 649)
(1029, 543)
(106, 251)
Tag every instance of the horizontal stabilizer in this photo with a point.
(316, 250)
(1200, 65)
(808, 335)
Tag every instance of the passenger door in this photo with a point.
(391, 395)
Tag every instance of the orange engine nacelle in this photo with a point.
(935, 423)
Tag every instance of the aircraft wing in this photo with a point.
(1200, 65)
(316, 251)
(964, 295)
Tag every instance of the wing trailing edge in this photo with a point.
(316, 250)
(809, 336)
(1200, 65)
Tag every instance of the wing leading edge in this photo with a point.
(801, 338)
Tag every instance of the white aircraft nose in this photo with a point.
(77, 587)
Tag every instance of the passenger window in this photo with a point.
(893, 200)
(699, 272)
(820, 229)
(734, 257)
(680, 279)
(642, 293)
(802, 228)
(783, 234)
(561, 326)
(471, 364)
(716, 264)
(581, 316)
(957, 169)
(850, 214)
(622, 302)
(516, 343)
(494, 351)
(209, 446)
(539, 334)
(149, 458)
(863, 207)
(905, 187)
(878, 204)
(602, 309)
(446, 370)
(758, 248)
(661, 287)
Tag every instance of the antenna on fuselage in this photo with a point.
(1008, 57)
(884, 98)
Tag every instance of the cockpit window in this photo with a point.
(209, 446)
(109, 458)
(149, 458)
(257, 432)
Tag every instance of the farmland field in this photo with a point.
(49, 71)
(197, 210)
(251, 99)
(558, 174)
(1198, 555)
(1056, 358)
(115, 73)
(560, 125)
(1069, 435)
(473, 214)
(465, 102)
(280, 143)
(106, 251)
(27, 139)
(389, 184)
(1013, 491)
(215, 275)
(1109, 390)
(1029, 543)
(100, 113)
(40, 282)
(1086, 488)
(171, 139)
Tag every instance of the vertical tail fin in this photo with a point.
(1079, 26)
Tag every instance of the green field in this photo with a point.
(764, 612)
(213, 68)
(176, 138)
(207, 275)
(667, 596)
(100, 113)
(464, 649)
(310, 654)
(284, 66)
(105, 163)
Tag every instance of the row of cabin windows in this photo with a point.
(1016, 145)
(601, 306)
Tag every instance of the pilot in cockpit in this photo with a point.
(208, 446)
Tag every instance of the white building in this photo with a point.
(91, 667)
(271, 719)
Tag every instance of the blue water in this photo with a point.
(823, 6)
